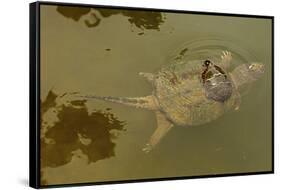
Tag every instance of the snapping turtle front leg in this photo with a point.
(237, 101)
(226, 58)
(163, 127)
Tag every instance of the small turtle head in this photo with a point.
(255, 70)
(207, 63)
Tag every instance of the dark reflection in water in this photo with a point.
(74, 13)
(141, 19)
(74, 129)
(93, 23)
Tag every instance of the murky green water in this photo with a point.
(101, 52)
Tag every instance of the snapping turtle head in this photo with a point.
(255, 70)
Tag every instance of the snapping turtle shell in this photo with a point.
(183, 98)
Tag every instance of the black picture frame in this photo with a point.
(34, 98)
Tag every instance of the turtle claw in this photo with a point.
(141, 74)
(148, 76)
(226, 56)
(148, 147)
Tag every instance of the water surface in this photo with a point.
(101, 51)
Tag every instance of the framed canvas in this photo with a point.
(121, 94)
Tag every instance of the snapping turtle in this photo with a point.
(191, 93)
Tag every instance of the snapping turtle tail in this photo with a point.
(147, 102)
